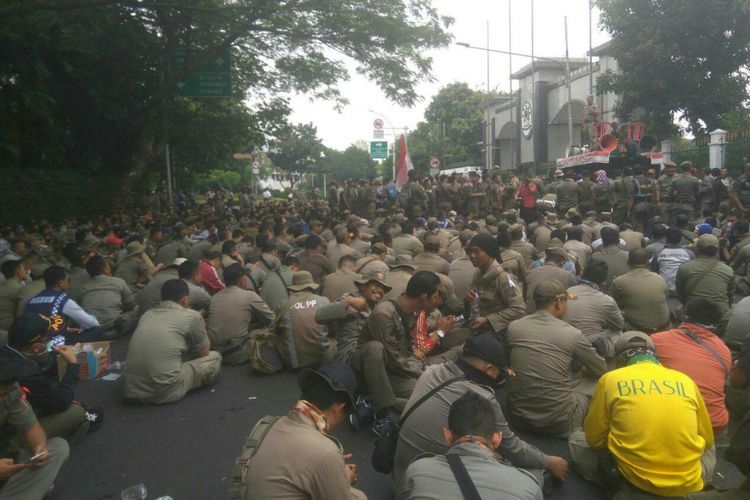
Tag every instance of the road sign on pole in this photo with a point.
(377, 124)
(379, 150)
(378, 133)
(210, 80)
(435, 162)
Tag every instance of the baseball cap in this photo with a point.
(336, 374)
(633, 340)
(487, 348)
(707, 240)
(28, 328)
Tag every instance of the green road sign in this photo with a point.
(210, 80)
(379, 150)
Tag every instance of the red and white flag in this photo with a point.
(404, 163)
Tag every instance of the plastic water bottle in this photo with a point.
(475, 305)
(135, 492)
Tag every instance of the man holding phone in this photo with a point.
(22, 478)
(32, 351)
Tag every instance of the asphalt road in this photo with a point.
(186, 450)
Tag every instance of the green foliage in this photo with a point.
(452, 128)
(296, 150)
(224, 178)
(678, 58)
(352, 163)
(90, 85)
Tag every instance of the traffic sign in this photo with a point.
(378, 123)
(378, 133)
(213, 79)
(435, 162)
(379, 150)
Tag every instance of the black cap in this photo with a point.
(487, 348)
(28, 328)
(487, 244)
(234, 272)
(338, 375)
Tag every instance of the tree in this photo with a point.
(297, 150)
(685, 59)
(452, 127)
(352, 163)
(58, 80)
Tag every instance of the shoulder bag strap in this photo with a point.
(468, 490)
(427, 396)
(359, 269)
(707, 347)
(700, 278)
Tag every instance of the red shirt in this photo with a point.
(679, 352)
(527, 192)
(210, 278)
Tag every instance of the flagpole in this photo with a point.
(510, 85)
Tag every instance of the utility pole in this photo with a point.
(567, 77)
(488, 131)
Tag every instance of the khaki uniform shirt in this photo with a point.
(198, 251)
(199, 299)
(500, 297)
(297, 462)
(164, 336)
(167, 253)
(579, 250)
(514, 263)
(541, 237)
(616, 259)
(133, 270)
(529, 251)
(462, 273)
(347, 323)
(423, 430)
(230, 313)
(642, 296)
(545, 273)
(16, 411)
(9, 290)
(594, 313)
(567, 195)
(316, 264)
(371, 264)
(633, 239)
(25, 293)
(397, 279)
(337, 284)
(105, 297)
(406, 244)
(432, 477)
(392, 327)
(274, 290)
(150, 295)
(308, 341)
(78, 277)
(708, 278)
(338, 251)
(427, 261)
(542, 349)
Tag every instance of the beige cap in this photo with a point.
(302, 280)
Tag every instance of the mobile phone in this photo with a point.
(459, 319)
(55, 341)
(37, 457)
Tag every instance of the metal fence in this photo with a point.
(736, 152)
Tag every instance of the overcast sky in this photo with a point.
(458, 64)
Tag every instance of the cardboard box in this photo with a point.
(93, 360)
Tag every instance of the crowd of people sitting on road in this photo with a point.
(446, 316)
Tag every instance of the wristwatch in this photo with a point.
(440, 333)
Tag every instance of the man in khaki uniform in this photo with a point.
(577, 248)
(610, 253)
(512, 261)
(78, 274)
(462, 273)
(133, 268)
(154, 371)
(15, 273)
(429, 260)
(168, 252)
(231, 313)
(641, 295)
(297, 458)
(568, 193)
(706, 277)
(333, 286)
(341, 247)
(593, 312)
(475, 192)
(543, 233)
(526, 249)
(314, 262)
(349, 313)
(374, 262)
(551, 270)
(399, 275)
(274, 291)
(150, 295)
(495, 297)
(107, 298)
(36, 286)
(307, 342)
(543, 397)
(406, 243)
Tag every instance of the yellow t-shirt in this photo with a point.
(654, 421)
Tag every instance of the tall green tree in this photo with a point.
(452, 128)
(297, 150)
(686, 59)
(352, 163)
(97, 80)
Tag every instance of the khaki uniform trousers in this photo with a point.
(35, 483)
(70, 424)
(195, 373)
